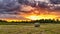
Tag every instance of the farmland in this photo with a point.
(30, 29)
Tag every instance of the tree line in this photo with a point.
(34, 21)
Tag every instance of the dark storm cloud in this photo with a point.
(9, 9)
(11, 6)
(8, 6)
(50, 4)
(55, 1)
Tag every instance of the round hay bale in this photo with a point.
(37, 24)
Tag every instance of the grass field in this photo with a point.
(30, 29)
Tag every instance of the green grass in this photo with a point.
(30, 29)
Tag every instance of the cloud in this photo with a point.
(7, 6)
(9, 16)
(11, 8)
(55, 1)
(26, 8)
(50, 4)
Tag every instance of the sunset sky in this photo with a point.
(29, 9)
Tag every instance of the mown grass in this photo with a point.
(30, 29)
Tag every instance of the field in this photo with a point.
(30, 29)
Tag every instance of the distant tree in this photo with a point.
(57, 21)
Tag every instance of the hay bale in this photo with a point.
(37, 24)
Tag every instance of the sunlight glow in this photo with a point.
(38, 17)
